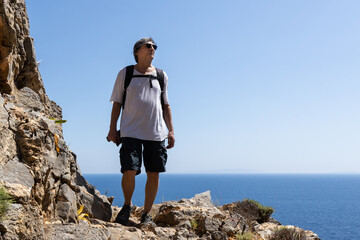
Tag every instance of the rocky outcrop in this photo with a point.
(195, 218)
(42, 176)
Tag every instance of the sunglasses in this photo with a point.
(148, 45)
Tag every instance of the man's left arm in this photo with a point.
(169, 125)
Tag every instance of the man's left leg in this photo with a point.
(151, 188)
(155, 157)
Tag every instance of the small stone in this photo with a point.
(208, 224)
(219, 235)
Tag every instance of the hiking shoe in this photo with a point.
(147, 219)
(123, 215)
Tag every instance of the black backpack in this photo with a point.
(129, 75)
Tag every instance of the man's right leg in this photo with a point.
(130, 159)
(128, 185)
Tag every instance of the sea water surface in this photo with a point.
(327, 204)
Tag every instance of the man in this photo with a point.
(143, 124)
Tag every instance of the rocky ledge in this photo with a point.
(195, 218)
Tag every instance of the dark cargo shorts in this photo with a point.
(131, 153)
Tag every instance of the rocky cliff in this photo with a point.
(42, 176)
(36, 166)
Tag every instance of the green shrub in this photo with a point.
(244, 236)
(265, 212)
(284, 233)
(194, 224)
(5, 201)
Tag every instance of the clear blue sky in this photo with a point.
(254, 86)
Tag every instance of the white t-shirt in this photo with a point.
(142, 117)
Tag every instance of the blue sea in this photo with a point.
(326, 204)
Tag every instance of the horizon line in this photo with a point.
(244, 173)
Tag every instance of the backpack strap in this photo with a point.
(160, 78)
(128, 77)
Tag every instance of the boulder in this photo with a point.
(66, 204)
(96, 206)
(249, 210)
(208, 224)
(234, 223)
(178, 213)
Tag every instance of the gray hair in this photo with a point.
(139, 43)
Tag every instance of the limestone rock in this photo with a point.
(7, 144)
(3, 114)
(208, 224)
(200, 216)
(164, 233)
(16, 177)
(249, 210)
(66, 203)
(29, 100)
(200, 200)
(76, 232)
(266, 230)
(234, 223)
(184, 234)
(176, 213)
(95, 205)
(23, 222)
(217, 235)
(119, 233)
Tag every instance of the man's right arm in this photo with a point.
(115, 113)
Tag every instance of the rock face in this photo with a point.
(42, 176)
(36, 166)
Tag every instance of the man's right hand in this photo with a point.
(113, 136)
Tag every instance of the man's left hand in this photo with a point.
(171, 140)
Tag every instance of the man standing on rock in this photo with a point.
(145, 116)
